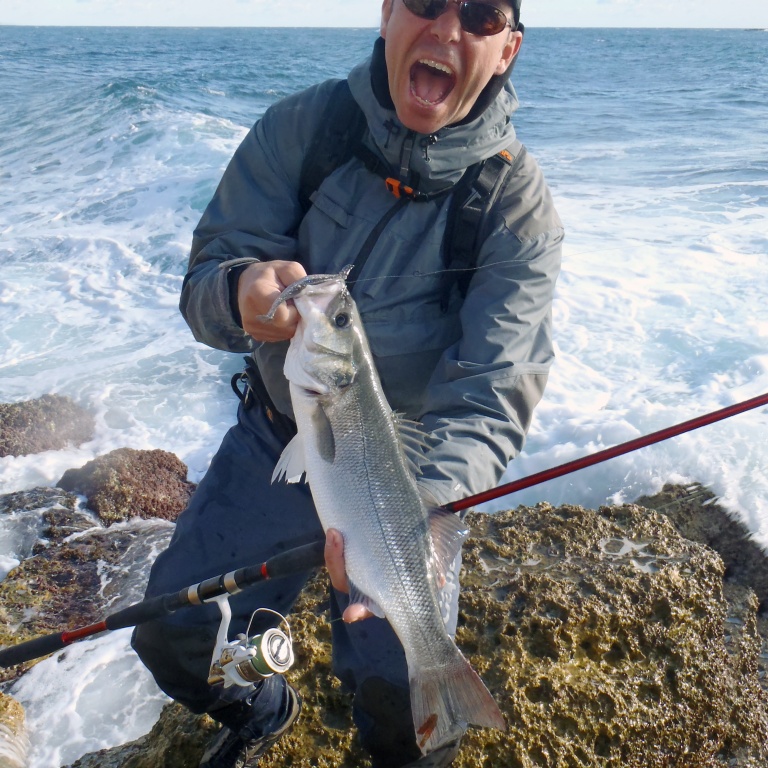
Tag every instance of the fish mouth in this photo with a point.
(431, 81)
(306, 285)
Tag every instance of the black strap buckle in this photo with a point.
(245, 395)
(253, 391)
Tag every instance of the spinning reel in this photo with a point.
(249, 658)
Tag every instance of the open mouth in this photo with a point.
(431, 81)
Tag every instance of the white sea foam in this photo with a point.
(90, 696)
(14, 747)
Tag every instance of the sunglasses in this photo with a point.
(475, 17)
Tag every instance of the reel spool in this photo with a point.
(248, 659)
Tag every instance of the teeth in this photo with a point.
(436, 65)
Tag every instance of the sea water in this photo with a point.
(112, 142)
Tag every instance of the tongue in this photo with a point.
(430, 85)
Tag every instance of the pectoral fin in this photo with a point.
(324, 439)
(291, 465)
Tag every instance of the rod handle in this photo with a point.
(32, 649)
(298, 560)
(146, 610)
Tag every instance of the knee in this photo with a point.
(179, 659)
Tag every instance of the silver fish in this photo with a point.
(362, 475)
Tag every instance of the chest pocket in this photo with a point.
(398, 288)
(392, 333)
(331, 209)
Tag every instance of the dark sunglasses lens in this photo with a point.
(481, 19)
(476, 18)
(426, 9)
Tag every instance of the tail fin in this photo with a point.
(446, 699)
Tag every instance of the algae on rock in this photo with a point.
(131, 483)
(47, 424)
(608, 639)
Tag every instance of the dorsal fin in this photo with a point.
(412, 439)
(448, 532)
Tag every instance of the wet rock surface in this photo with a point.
(72, 568)
(49, 423)
(73, 583)
(13, 734)
(607, 637)
(177, 741)
(130, 483)
(53, 513)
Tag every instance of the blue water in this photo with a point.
(654, 143)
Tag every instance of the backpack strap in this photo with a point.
(338, 139)
(473, 199)
(335, 141)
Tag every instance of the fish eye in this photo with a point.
(341, 320)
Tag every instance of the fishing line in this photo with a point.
(478, 268)
(446, 271)
(435, 273)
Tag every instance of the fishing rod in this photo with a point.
(609, 453)
(311, 556)
(287, 563)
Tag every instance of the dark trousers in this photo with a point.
(238, 517)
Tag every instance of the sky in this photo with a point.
(365, 13)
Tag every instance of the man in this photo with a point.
(470, 368)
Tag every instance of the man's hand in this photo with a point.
(259, 285)
(334, 561)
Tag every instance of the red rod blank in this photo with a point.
(608, 453)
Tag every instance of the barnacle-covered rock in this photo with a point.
(132, 483)
(48, 423)
(607, 638)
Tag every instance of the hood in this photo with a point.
(436, 160)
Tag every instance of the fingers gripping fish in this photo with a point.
(362, 475)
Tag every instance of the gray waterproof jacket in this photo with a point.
(471, 375)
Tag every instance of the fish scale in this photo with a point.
(363, 484)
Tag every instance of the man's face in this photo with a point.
(436, 69)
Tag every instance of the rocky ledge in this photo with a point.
(627, 636)
(49, 423)
(607, 638)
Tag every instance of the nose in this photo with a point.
(447, 27)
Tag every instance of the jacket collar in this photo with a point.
(440, 159)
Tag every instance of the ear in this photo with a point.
(386, 12)
(509, 51)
